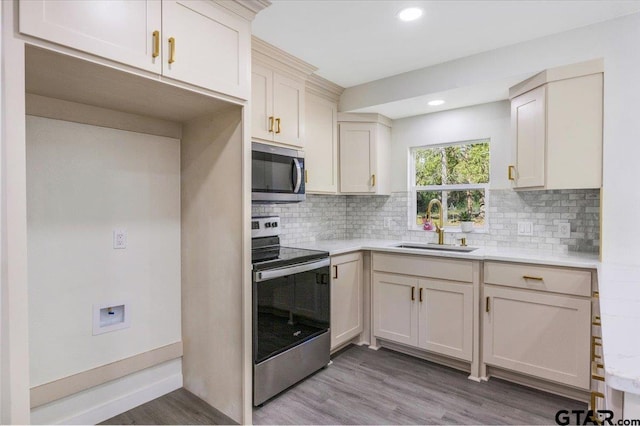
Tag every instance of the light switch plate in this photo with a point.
(525, 228)
(564, 230)
(119, 239)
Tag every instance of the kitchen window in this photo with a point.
(457, 174)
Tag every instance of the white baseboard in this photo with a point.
(110, 399)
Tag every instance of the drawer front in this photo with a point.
(422, 266)
(535, 277)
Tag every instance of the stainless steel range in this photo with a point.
(290, 311)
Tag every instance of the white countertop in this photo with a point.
(574, 260)
(619, 288)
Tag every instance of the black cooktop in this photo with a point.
(277, 256)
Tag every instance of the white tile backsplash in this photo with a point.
(326, 217)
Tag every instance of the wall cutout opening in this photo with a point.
(110, 317)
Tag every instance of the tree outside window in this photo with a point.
(457, 174)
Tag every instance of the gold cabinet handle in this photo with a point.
(373, 180)
(529, 277)
(271, 124)
(596, 342)
(335, 272)
(156, 44)
(596, 321)
(306, 176)
(592, 406)
(278, 130)
(595, 365)
(486, 306)
(596, 294)
(510, 171)
(172, 50)
(420, 294)
(413, 294)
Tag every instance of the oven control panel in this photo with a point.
(265, 226)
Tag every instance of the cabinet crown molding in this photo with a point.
(564, 72)
(268, 55)
(365, 118)
(248, 9)
(324, 88)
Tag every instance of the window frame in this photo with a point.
(414, 189)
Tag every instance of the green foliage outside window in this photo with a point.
(460, 164)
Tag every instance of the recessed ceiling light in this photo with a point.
(436, 102)
(410, 14)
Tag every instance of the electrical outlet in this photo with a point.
(387, 223)
(564, 230)
(119, 239)
(525, 228)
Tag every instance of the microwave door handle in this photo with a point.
(298, 178)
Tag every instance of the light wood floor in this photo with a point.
(363, 386)
(179, 407)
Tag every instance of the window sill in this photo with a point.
(454, 231)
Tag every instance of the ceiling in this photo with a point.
(354, 42)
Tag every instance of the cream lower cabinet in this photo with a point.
(395, 311)
(346, 298)
(530, 326)
(445, 318)
(433, 313)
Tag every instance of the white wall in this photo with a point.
(617, 42)
(83, 181)
(487, 121)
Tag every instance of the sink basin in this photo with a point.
(431, 246)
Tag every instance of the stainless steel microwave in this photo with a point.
(277, 174)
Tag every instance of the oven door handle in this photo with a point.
(289, 270)
(298, 177)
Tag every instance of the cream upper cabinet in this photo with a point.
(529, 124)
(207, 46)
(321, 145)
(123, 31)
(425, 302)
(278, 105)
(538, 322)
(262, 102)
(365, 147)
(556, 120)
(199, 43)
(346, 298)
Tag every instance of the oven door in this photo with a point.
(277, 174)
(290, 306)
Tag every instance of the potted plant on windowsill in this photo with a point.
(466, 221)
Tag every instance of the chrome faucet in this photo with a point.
(439, 229)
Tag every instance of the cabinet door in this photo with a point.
(395, 308)
(288, 106)
(346, 298)
(212, 47)
(356, 151)
(262, 103)
(539, 334)
(121, 31)
(446, 318)
(528, 122)
(321, 145)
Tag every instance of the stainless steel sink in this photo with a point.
(431, 246)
